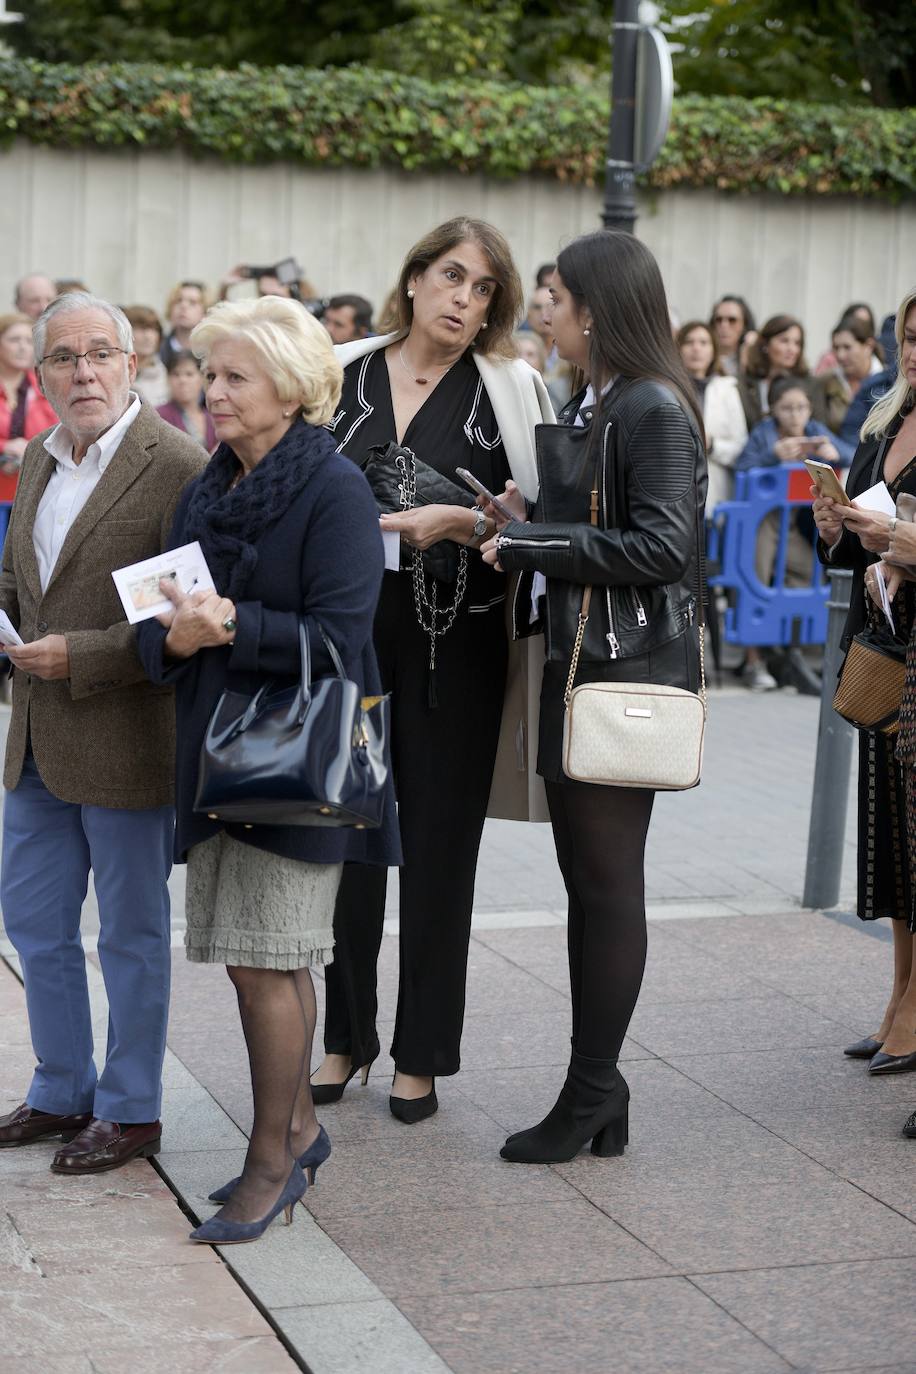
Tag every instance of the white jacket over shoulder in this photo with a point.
(726, 435)
(520, 402)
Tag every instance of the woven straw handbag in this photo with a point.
(870, 688)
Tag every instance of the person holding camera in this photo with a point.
(284, 279)
(447, 385)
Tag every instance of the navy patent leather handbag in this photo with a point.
(311, 754)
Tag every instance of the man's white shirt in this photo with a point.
(71, 485)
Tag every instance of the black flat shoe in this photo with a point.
(893, 1063)
(410, 1110)
(864, 1049)
(909, 1127)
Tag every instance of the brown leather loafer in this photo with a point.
(106, 1145)
(25, 1124)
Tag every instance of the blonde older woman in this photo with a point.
(290, 531)
(447, 384)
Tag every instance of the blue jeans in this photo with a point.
(49, 847)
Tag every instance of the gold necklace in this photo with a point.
(420, 381)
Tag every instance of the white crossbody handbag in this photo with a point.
(633, 734)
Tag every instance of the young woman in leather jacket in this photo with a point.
(631, 442)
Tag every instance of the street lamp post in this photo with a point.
(619, 211)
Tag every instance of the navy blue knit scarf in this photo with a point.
(229, 523)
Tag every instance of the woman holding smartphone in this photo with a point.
(631, 448)
(855, 538)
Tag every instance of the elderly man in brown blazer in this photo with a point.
(88, 772)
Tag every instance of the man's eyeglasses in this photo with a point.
(726, 319)
(95, 357)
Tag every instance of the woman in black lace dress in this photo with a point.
(855, 539)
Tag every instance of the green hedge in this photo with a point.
(359, 117)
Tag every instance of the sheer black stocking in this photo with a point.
(600, 835)
(304, 1126)
(274, 1024)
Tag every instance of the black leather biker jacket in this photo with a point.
(648, 465)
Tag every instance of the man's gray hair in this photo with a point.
(69, 304)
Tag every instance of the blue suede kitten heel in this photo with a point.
(219, 1232)
(309, 1162)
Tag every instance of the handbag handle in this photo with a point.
(305, 655)
(304, 696)
(587, 601)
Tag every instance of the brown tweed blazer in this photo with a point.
(106, 735)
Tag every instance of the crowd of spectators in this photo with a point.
(762, 403)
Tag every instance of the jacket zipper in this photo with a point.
(641, 617)
(611, 636)
(507, 540)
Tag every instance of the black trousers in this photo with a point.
(443, 764)
(600, 835)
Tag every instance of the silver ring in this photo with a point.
(229, 625)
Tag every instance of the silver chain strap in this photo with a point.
(434, 620)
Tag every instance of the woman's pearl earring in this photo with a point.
(586, 332)
(410, 294)
(483, 324)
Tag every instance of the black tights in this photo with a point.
(278, 1019)
(600, 835)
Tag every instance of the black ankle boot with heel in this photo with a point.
(592, 1105)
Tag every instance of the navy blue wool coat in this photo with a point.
(322, 557)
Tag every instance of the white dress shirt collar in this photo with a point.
(60, 442)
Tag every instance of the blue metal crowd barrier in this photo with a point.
(760, 614)
(5, 508)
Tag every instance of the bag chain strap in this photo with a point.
(586, 605)
(426, 603)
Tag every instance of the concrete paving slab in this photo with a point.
(516, 1098)
(290, 1266)
(192, 1120)
(824, 1316)
(73, 1314)
(492, 1042)
(494, 982)
(359, 1338)
(105, 1232)
(28, 1187)
(488, 1249)
(908, 1367)
(786, 1080)
(445, 1172)
(740, 1023)
(654, 1326)
(362, 1115)
(700, 1227)
(794, 953)
(254, 1355)
(712, 1151)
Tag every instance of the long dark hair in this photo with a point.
(758, 362)
(617, 279)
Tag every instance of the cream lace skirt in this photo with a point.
(257, 910)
